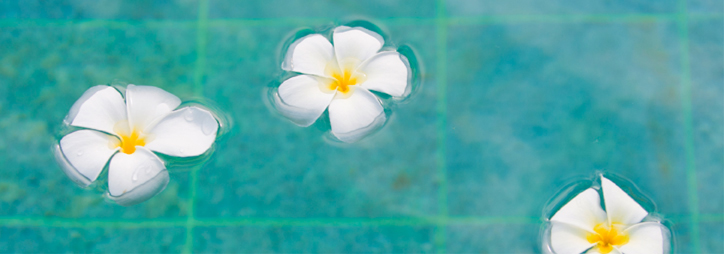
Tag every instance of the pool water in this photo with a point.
(517, 100)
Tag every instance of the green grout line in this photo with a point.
(245, 221)
(201, 43)
(298, 222)
(441, 24)
(289, 21)
(711, 218)
(686, 100)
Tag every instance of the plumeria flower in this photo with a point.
(127, 133)
(582, 225)
(339, 77)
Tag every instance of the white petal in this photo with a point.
(567, 239)
(355, 43)
(87, 152)
(100, 108)
(644, 238)
(620, 207)
(301, 99)
(354, 117)
(147, 105)
(186, 132)
(134, 178)
(595, 251)
(386, 72)
(310, 54)
(583, 211)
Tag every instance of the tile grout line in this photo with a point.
(686, 104)
(201, 40)
(441, 23)
(302, 222)
(481, 19)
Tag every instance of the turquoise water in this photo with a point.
(518, 99)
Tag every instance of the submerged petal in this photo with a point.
(186, 132)
(100, 108)
(387, 72)
(87, 152)
(568, 239)
(310, 55)
(620, 207)
(645, 238)
(355, 43)
(147, 105)
(301, 99)
(583, 211)
(134, 178)
(355, 116)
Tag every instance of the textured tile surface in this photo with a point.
(533, 7)
(287, 239)
(705, 6)
(494, 239)
(707, 78)
(550, 103)
(96, 240)
(267, 9)
(99, 9)
(712, 234)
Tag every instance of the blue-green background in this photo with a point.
(518, 99)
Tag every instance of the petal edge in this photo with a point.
(620, 207)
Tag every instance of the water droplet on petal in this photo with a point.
(143, 168)
(189, 115)
(209, 126)
(80, 153)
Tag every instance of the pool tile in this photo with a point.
(95, 240)
(532, 107)
(707, 77)
(49, 68)
(705, 7)
(712, 237)
(681, 231)
(330, 9)
(532, 7)
(99, 9)
(273, 168)
(496, 238)
(314, 239)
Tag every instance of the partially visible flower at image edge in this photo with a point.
(125, 132)
(582, 225)
(337, 76)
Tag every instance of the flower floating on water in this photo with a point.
(338, 77)
(582, 225)
(127, 133)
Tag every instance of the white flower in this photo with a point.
(127, 133)
(582, 225)
(340, 77)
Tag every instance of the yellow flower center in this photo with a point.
(129, 142)
(129, 138)
(342, 81)
(606, 237)
(343, 77)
